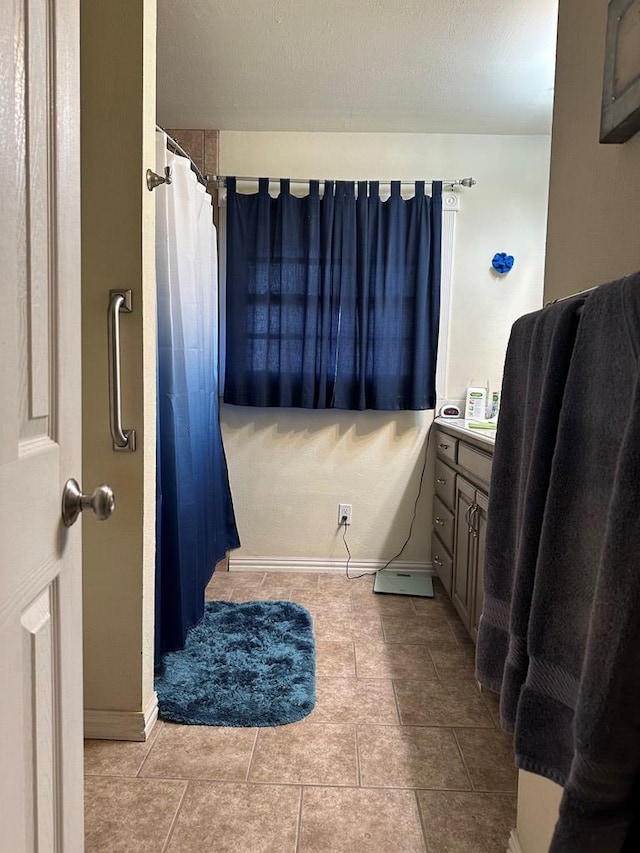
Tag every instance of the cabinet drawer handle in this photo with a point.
(437, 562)
(439, 521)
(444, 446)
(440, 481)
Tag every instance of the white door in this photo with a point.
(40, 428)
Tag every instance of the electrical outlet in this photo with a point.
(344, 511)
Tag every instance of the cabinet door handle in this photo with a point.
(439, 521)
(467, 518)
(440, 481)
(437, 561)
(472, 518)
(444, 446)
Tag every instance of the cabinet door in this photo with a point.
(464, 552)
(480, 535)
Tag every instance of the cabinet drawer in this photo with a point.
(445, 483)
(442, 562)
(446, 446)
(475, 462)
(443, 523)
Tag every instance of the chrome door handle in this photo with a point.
(123, 439)
(439, 521)
(440, 481)
(101, 501)
(437, 561)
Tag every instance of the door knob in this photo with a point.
(101, 501)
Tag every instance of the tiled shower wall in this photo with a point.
(201, 146)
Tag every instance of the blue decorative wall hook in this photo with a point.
(502, 262)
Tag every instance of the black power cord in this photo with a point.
(413, 519)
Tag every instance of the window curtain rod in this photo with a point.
(172, 145)
(456, 182)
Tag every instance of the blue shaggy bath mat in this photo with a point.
(249, 664)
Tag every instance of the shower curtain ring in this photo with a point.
(154, 180)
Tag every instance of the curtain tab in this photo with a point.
(285, 186)
(345, 188)
(436, 191)
(419, 189)
(314, 189)
(395, 189)
(263, 186)
(374, 189)
(231, 185)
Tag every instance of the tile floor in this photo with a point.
(402, 753)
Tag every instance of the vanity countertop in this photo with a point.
(456, 426)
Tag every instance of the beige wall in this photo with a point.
(118, 251)
(594, 216)
(290, 468)
(594, 202)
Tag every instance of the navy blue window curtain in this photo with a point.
(195, 523)
(333, 301)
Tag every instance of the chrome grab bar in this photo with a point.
(123, 439)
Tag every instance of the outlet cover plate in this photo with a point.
(344, 510)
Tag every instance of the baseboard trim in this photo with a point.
(302, 564)
(121, 725)
(514, 843)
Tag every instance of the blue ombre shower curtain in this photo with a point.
(195, 519)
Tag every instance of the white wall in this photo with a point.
(290, 468)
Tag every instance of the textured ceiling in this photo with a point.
(430, 66)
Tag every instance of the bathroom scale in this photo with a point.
(404, 583)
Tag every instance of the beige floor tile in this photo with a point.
(455, 664)
(242, 594)
(433, 630)
(492, 701)
(354, 700)
(200, 752)
(460, 633)
(341, 583)
(126, 815)
(297, 580)
(368, 601)
(116, 757)
(235, 579)
(393, 660)
(306, 753)
(233, 818)
(347, 626)
(467, 823)
(430, 703)
(247, 579)
(440, 605)
(335, 658)
(322, 600)
(489, 757)
(350, 820)
(410, 757)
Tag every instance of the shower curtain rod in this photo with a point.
(172, 145)
(455, 182)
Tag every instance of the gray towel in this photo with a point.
(536, 366)
(578, 713)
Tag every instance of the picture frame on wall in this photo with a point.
(620, 117)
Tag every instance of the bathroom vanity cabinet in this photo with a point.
(461, 495)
